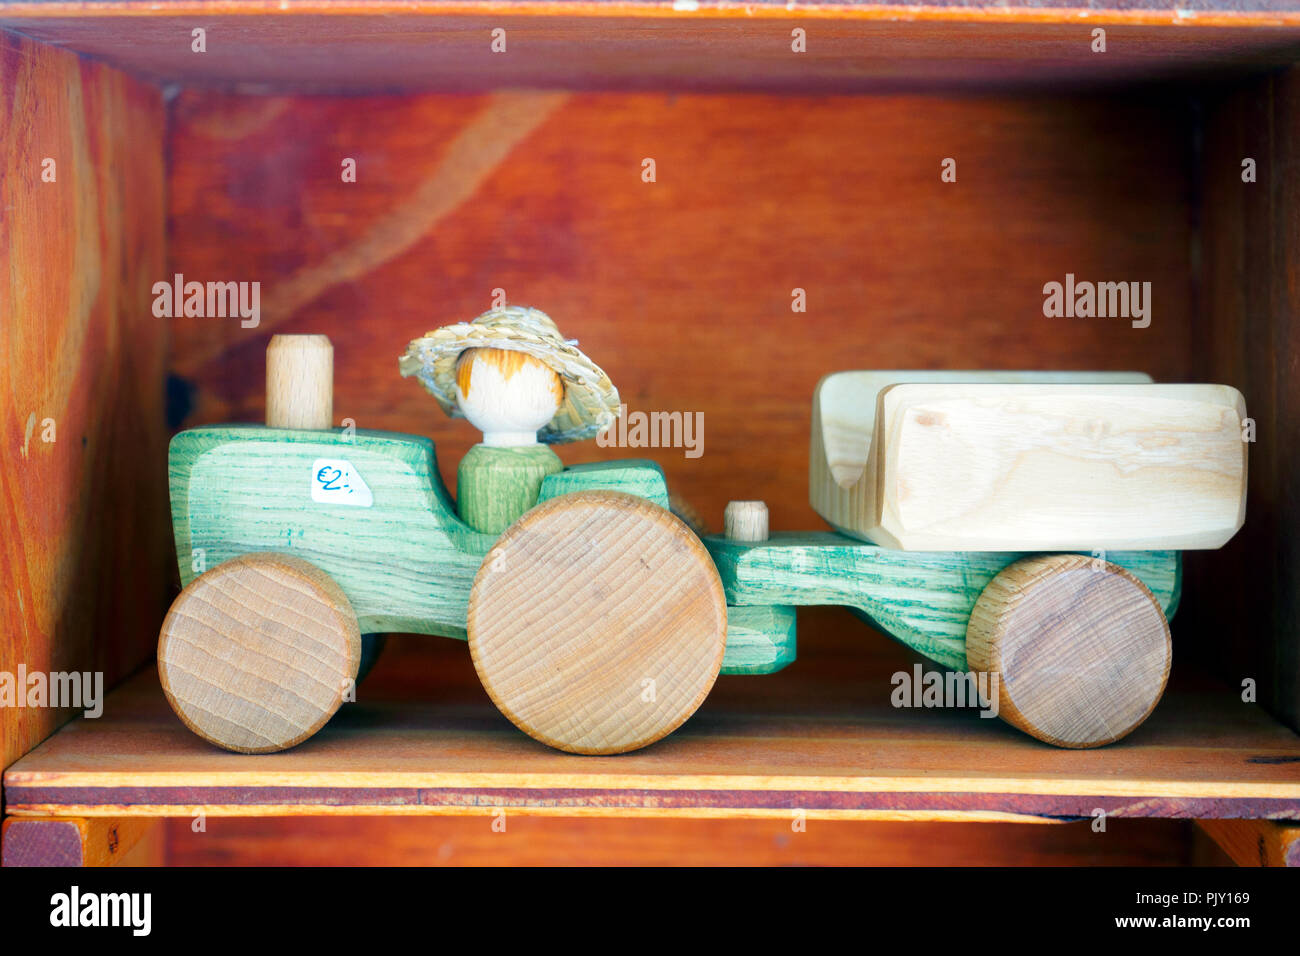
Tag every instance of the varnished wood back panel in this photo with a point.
(682, 288)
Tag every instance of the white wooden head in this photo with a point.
(507, 395)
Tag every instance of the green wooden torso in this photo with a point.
(495, 486)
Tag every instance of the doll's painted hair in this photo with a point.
(507, 362)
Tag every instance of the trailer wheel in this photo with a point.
(1079, 646)
(597, 622)
(258, 653)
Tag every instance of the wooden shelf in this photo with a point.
(325, 46)
(821, 737)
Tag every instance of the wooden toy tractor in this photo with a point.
(598, 622)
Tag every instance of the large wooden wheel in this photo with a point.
(259, 652)
(597, 622)
(1080, 648)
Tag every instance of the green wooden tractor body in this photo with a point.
(405, 560)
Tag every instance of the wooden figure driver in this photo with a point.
(522, 384)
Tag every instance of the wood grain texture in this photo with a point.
(634, 476)
(258, 653)
(1039, 463)
(845, 405)
(96, 841)
(839, 196)
(745, 521)
(924, 599)
(597, 623)
(84, 554)
(1256, 842)
(350, 47)
(1247, 606)
(760, 640)
(300, 382)
(1080, 648)
(495, 486)
(543, 841)
(406, 563)
(1247, 12)
(423, 738)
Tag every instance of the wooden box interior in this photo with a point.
(523, 172)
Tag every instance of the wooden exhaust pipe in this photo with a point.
(745, 521)
(300, 382)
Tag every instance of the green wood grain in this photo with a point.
(634, 476)
(924, 599)
(495, 486)
(760, 640)
(406, 563)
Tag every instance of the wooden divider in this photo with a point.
(1245, 598)
(85, 555)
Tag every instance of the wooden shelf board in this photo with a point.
(1188, 12)
(819, 737)
(331, 47)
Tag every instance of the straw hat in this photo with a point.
(590, 398)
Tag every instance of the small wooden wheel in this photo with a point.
(597, 622)
(1080, 648)
(259, 652)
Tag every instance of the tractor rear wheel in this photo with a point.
(258, 653)
(1080, 648)
(597, 622)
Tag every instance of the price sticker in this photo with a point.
(335, 482)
